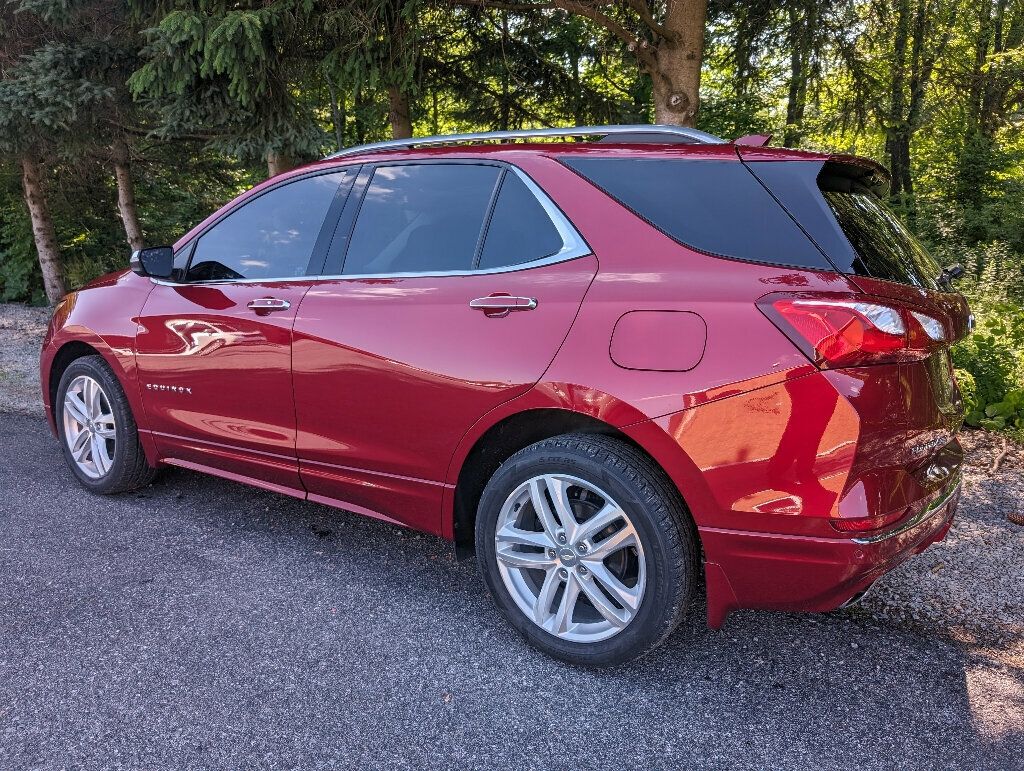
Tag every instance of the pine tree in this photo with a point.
(231, 73)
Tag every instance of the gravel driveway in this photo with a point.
(202, 623)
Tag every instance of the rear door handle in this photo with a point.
(264, 305)
(498, 305)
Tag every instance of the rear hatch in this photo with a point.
(910, 314)
(839, 204)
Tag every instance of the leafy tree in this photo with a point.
(667, 39)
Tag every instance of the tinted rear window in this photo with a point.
(885, 248)
(838, 205)
(717, 207)
(520, 230)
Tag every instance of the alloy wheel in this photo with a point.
(570, 557)
(89, 427)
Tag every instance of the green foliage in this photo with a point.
(1007, 413)
(20, 278)
(233, 74)
(968, 389)
(994, 354)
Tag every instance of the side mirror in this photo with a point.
(156, 262)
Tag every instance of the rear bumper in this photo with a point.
(803, 573)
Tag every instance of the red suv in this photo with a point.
(611, 368)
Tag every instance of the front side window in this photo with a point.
(270, 237)
(421, 218)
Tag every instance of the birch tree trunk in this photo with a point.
(121, 157)
(42, 229)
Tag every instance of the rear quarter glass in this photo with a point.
(714, 206)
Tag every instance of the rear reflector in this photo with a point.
(849, 331)
(867, 524)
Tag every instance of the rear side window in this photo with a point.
(421, 218)
(717, 207)
(520, 230)
(269, 237)
(885, 248)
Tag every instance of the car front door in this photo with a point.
(456, 284)
(214, 344)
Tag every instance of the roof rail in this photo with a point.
(671, 133)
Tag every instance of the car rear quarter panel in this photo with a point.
(732, 412)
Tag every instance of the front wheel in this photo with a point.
(586, 548)
(97, 429)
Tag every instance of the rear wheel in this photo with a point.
(99, 437)
(586, 549)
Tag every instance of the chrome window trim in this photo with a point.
(573, 247)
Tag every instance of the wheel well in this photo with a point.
(62, 360)
(504, 440)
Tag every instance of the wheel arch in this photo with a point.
(511, 434)
(62, 359)
(72, 345)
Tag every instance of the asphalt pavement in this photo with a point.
(201, 623)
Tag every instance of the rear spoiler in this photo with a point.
(859, 171)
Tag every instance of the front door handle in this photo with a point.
(498, 305)
(265, 305)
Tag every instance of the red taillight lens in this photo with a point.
(844, 331)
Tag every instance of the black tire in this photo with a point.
(658, 514)
(129, 470)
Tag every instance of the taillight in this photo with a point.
(848, 331)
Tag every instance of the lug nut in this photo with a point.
(582, 548)
(563, 573)
(583, 570)
(551, 553)
(561, 537)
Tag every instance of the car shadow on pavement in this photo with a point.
(201, 622)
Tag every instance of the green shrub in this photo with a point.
(968, 389)
(990, 362)
(1008, 413)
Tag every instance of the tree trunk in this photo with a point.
(676, 76)
(360, 115)
(897, 147)
(803, 22)
(42, 229)
(278, 163)
(121, 157)
(399, 113)
(897, 130)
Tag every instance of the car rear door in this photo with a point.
(214, 344)
(455, 285)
